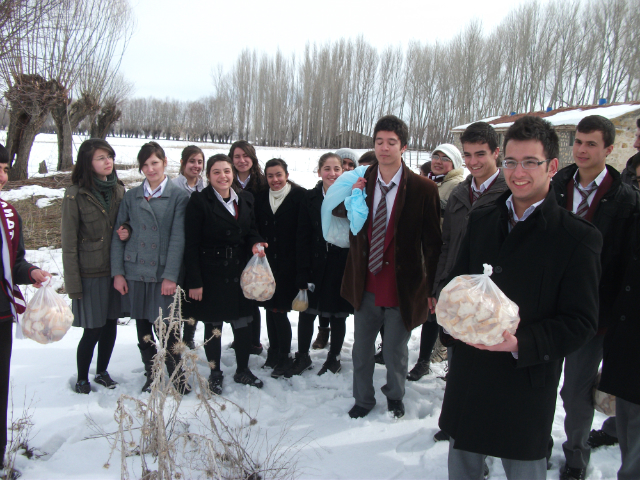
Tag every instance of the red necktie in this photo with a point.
(378, 230)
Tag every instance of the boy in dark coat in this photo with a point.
(500, 400)
(391, 266)
(620, 373)
(593, 190)
(15, 270)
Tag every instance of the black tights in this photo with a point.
(279, 331)
(145, 329)
(428, 337)
(241, 342)
(105, 337)
(305, 332)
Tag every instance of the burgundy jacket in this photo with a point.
(417, 244)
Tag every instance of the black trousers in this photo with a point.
(305, 332)
(428, 337)
(6, 345)
(145, 329)
(241, 342)
(279, 331)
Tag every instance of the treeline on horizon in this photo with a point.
(560, 54)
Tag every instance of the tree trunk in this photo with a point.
(101, 124)
(67, 120)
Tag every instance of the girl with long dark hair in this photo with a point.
(89, 210)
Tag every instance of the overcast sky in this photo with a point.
(176, 43)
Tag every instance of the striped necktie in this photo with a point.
(512, 221)
(378, 230)
(583, 207)
(475, 195)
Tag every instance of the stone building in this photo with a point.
(565, 120)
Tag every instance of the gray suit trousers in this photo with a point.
(367, 323)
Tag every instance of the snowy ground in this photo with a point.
(313, 409)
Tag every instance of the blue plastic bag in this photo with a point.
(357, 210)
(336, 229)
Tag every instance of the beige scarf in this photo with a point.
(276, 198)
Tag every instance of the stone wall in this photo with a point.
(625, 136)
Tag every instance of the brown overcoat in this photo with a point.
(417, 246)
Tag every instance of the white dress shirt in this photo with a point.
(391, 194)
(245, 183)
(486, 184)
(526, 213)
(577, 196)
(148, 193)
(231, 208)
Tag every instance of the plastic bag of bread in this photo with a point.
(603, 402)
(301, 302)
(47, 317)
(257, 280)
(473, 309)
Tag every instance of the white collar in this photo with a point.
(159, 189)
(526, 213)
(598, 180)
(233, 196)
(396, 178)
(486, 183)
(244, 184)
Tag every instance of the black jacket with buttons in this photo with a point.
(621, 355)
(320, 263)
(217, 248)
(280, 231)
(549, 265)
(612, 218)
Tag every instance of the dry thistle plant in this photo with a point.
(198, 442)
(19, 442)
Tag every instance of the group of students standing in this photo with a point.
(125, 253)
(562, 243)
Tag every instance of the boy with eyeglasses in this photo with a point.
(594, 191)
(500, 400)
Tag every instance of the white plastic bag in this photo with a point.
(338, 233)
(47, 317)
(301, 302)
(603, 402)
(257, 280)
(473, 309)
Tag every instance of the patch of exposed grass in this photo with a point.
(40, 226)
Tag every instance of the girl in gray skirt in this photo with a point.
(89, 210)
(148, 266)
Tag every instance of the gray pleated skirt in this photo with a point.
(145, 299)
(100, 302)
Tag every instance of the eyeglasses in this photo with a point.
(442, 158)
(526, 164)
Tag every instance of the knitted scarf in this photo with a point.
(103, 190)
(276, 198)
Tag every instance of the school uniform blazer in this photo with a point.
(280, 231)
(155, 247)
(549, 265)
(416, 231)
(217, 248)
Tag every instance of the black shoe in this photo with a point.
(255, 349)
(358, 412)
(332, 365)
(441, 436)
(598, 438)
(395, 408)
(421, 369)
(281, 368)
(83, 386)
(568, 473)
(272, 359)
(301, 362)
(246, 377)
(105, 380)
(215, 382)
(378, 358)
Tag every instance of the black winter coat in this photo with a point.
(217, 248)
(320, 262)
(621, 358)
(280, 231)
(549, 265)
(613, 219)
(628, 175)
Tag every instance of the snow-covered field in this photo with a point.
(312, 409)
